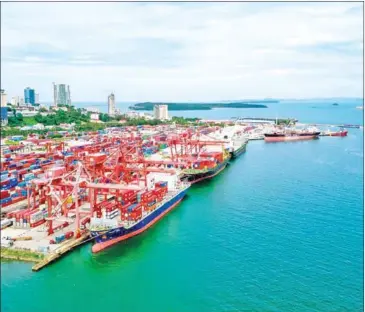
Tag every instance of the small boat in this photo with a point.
(340, 133)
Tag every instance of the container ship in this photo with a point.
(120, 224)
(292, 135)
(236, 152)
(205, 168)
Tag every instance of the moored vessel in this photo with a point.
(151, 206)
(236, 152)
(206, 166)
(340, 133)
(292, 135)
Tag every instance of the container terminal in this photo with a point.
(110, 185)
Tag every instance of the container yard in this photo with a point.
(110, 185)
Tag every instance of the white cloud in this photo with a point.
(183, 51)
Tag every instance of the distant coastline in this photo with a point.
(148, 106)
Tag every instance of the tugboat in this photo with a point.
(340, 133)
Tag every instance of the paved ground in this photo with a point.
(39, 236)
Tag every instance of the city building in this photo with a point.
(29, 96)
(137, 115)
(15, 100)
(4, 115)
(61, 94)
(160, 112)
(54, 94)
(21, 101)
(37, 98)
(111, 104)
(68, 95)
(4, 98)
(94, 116)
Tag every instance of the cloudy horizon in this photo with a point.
(183, 51)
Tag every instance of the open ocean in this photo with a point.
(281, 229)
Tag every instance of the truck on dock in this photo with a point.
(5, 223)
(6, 243)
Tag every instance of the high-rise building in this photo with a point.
(29, 96)
(3, 115)
(68, 95)
(4, 98)
(61, 94)
(15, 100)
(54, 94)
(37, 98)
(161, 112)
(111, 104)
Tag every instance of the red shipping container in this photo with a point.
(5, 194)
(68, 235)
(23, 171)
(37, 223)
(18, 199)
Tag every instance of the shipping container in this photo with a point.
(69, 235)
(40, 222)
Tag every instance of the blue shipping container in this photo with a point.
(131, 208)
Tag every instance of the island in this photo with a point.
(148, 106)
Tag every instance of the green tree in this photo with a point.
(19, 116)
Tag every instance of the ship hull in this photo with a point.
(295, 137)
(239, 151)
(105, 239)
(198, 177)
(336, 134)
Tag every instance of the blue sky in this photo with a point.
(183, 51)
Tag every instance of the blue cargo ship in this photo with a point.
(108, 232)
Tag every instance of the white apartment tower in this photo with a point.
(161, 112)
(61, 94)
(68, 95)
(15, 100)
(111, 104)
(54, 94)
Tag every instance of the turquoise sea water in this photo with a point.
(281, 229)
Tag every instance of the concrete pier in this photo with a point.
(59, 252)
